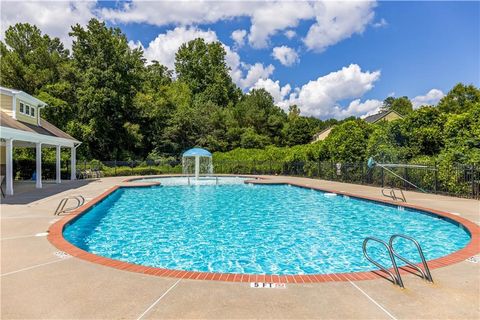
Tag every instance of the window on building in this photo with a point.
(22, 108)
(32, 111)
(27, 109)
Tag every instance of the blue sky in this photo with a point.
(342, 59)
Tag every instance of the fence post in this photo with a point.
(435, 174)
(473, 181)
(383, 178)
(115, 166)
(405, 177)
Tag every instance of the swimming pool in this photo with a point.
(253, 229)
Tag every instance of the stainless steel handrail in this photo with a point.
(426, 272)
(61, 206)
(393, 195)
(396, 278)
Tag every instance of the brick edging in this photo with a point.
(55, 236)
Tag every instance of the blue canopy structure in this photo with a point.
(197, 152)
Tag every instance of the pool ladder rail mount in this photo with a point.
(61, 206)
(396, 278)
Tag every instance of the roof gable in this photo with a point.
(379, 116)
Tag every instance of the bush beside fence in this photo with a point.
(455, 179)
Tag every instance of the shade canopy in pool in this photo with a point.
(197, 152)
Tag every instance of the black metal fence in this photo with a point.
(462, 180)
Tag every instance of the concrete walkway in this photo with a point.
(37, 281)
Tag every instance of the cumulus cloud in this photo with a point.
(430, 98)
(52, 17)
(286, 55)
(321, 98)
(336, 21)
(278, 93)
(290, 34)
(238, 36)
(164, 47)
(364, 109)
(256, 72)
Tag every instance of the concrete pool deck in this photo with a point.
(37, 281)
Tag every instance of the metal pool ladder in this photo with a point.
(396, 278)
(61, 206)
(392, 194)
(425, 273)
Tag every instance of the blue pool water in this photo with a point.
(260, 229)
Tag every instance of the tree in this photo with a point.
(348, 141)
(30, 60)
(203, 68)
(460, 99)
(109, 77)
(402, 105)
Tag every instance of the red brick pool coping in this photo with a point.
(56, 238)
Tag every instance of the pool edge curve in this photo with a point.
(55, 237)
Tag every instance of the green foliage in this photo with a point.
(402, 105)
(107, 96)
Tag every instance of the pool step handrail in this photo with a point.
(392, 194)
(61, 206)
(425, 273)
(396, 278)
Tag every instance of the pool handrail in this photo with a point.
(393, 195)
(61, 206)
(396, 278)
(424, 273)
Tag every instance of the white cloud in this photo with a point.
(272, 17)
(286, 55)
(381, 23)
(278, 93)
(256, 72)
(266, 17)
(290, 34)
(337, 21)
(364, 109)
(321, 98)
(430, 98)
(239, 37)
(52, 17)
(165, 45)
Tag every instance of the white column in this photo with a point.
(58, 177)
(9, 166)
(38, 162)
(197, 167)
(73, 164)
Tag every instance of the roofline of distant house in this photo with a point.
(384, 114)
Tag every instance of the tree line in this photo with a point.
(122, 107)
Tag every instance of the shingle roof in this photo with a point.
(375, 117)
(45, 128)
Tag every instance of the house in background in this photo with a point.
(322, 134)
(389, 115)
(22, 126)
